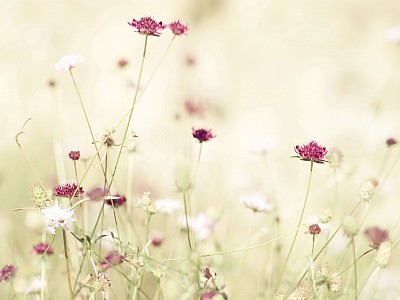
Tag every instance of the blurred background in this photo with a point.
(262, 74)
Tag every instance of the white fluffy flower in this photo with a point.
(256, 202)
(56, 216)
(202, 225)
(68, 62)
(167, 206)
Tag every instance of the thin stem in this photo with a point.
(71, 294)
(43, 270)
(130, 112)
(187, 221)
(298, 226)
(355, 269)
(313, 244)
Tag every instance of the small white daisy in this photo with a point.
(56, 216)
(167, 206)
(68, 62)
(256, 202)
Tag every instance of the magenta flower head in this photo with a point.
(113, 258)
(391, 142)
(377, 236)
(97, 193)
(202, 135)
(311, 152)
(121, 200)
(148, 26)
(7, 273)
(42, 248)
(68, 189)
(208, 295)
(74, 155)
(314, 229)
(178, 28)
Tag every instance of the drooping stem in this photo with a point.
(298, 226)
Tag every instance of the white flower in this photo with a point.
(202, 225)
(68, 62)
(56, 216)
(263, 145)
(35, 285)
(256, 202)
(167, 206)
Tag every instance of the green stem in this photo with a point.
(355, 269)
(130, 113)
(298, 226)
(71, 294)
(187, 221)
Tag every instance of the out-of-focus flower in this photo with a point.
(40, 196)
(335, 283)
(202, 225)
(99, 282)
(377, 236)
(321, 276)
(56, 216)
(148, 26)
(367, 189)
(146, 203)
(97, 193)
(311, 152)
(393, 34)
(122, 63)
(194, 108)
(68, 62)
(350, 226)
(35, 285)
(256, 202)
(113, 258)
(208, 295)
(335, 157)
(263, 146)
(178, 28)
(391, 142)
(156, 238)
(279, 296)
(325, 216)
(300, 293)
(68, 190)
(384, 253)
(74, 155)
(314, 229)
(42, 248)
(202, 135)
(120, 200)
(167, 206)
(7, 273)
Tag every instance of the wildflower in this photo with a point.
(314, 229)
(279, 296)
(167, 206)
(148, 26)
(325, 216)
(156, 239)
(68, 62)
(377, 236)
(119, 201)
(321, 276)
(256, 202)
(42, 248)
(68, 190)
(367, 189)
(202, 225)
(207, 273)
(35, 285)
(350, 226)
(208, 295)
(40, 196)
(122, 63)
(7, 273)
(263, 146)
(193, 108)
(335, 157)
(335, 283)
(202, 135)
(56, 216)
(300, 293)
(113, 258)
(178, 28)
(74, 155)
(99, 282)
(384, 253)
(390, 142)
(311, 152)
(97, 193)
(146, 203)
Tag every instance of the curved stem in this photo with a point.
(298, 226)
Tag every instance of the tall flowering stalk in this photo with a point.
(313, 153)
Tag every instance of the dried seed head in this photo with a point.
(350, 226)
(335, 283)
(384, 254)
(40, 196)
(301, 293)
(367, 189)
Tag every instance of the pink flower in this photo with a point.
(42, 248)
(193, 108)
(74, 155)
(311, 152)
(113, 258)
(122, 63)
(202, 135)
(178, 28)
(121, 200)
(314, 229)
(391, 142)
(97, 193)
(208, 295)
(7, 273)
(376, 236)
(68, 190)
(148, 26)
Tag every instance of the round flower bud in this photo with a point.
(384, 253)
(335, 283)
(325, 216)
(350, 226)
(367, 189)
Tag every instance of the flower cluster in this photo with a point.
(149, 26)
(7, 273)
(99, 282)
(311, 152)
(68, 190)
(117, 201)
(42, 248)
(56, 216)
(113, 258)
(202, 134)
(74, 155)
